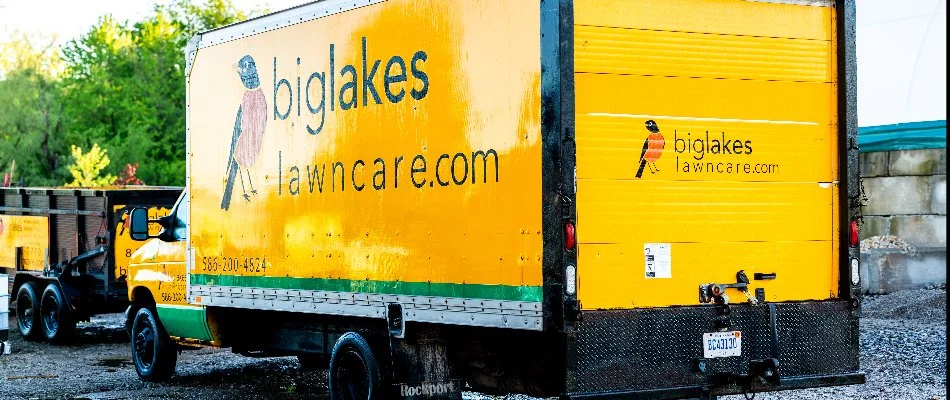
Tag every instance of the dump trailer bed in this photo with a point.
(75, 239)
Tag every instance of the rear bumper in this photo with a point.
(658, 353)
(699, 392)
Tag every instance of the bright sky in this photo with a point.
(70, 18)
(901, 47)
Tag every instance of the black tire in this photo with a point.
(28, 312)
(354, 372)
(153, 352)
(313, 361)
(58, 324)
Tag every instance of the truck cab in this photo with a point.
(157, 292)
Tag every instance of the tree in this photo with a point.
(127, 176)
(120, 85)
(124, 86)
(31, 113)
(87, 167)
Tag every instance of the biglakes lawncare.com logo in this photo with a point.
(706, 153)
(332, 87)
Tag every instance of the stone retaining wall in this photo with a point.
(906, 194)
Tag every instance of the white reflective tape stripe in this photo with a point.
(435, 309)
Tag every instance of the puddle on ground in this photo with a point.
(113, 362)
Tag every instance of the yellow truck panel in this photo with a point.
(359, 139)
(29, 234)
(125, 247)
(739, 168)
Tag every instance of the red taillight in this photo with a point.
(569, 236)
(854, 233)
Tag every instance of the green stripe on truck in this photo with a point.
(456, 290)
(185, 321)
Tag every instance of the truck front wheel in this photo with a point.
(58, 324)
(153, 352)
(28, 312)
(354, 371)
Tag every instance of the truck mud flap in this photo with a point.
(659, 352)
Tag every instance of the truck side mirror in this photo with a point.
(138, 224)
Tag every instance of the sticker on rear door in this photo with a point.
(656, 257)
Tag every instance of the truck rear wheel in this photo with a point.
(354, 371)
(153, 352)
(58, 324)
(28, 312)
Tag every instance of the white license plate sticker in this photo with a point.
(722, 344)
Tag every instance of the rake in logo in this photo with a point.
(652, 149)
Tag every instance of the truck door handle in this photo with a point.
(711, 292)
(761, 276)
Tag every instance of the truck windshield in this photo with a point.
(180, 218)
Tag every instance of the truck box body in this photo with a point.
(625, 181)
(423, 180)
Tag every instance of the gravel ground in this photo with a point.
(903, 353)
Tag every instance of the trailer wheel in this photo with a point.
(153, 352)
(354, 372)
(58, 324)
(28, 312)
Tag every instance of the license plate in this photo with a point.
(722, 344)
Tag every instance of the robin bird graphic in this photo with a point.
(248, 131)
(652, 149)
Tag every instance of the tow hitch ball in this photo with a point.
(766, 371)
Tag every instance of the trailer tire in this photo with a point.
(354, 371)
(28, 312)
(58, 323)
(153, 352)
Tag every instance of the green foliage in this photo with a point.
(87, 167)
(120, 84)
(31, 115)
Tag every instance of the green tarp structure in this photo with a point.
(903, 136)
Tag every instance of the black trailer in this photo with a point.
(66, 252)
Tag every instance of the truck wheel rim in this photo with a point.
(24, 309)
(51, 315)
(352, 376)
(144, 347)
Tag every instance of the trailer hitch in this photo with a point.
(763, 372)
(716, 292)
(65, 268)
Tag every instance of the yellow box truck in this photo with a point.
(598, 198)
